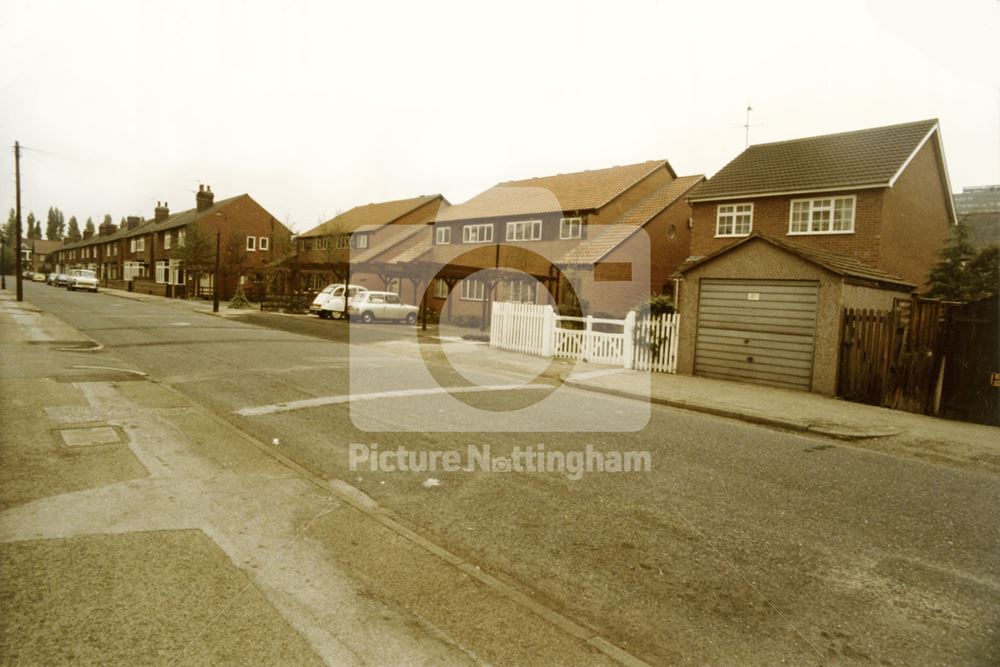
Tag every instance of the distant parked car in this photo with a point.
(371, 306)
(27, 274)
(51, 280)
(38, 278)
(62, 280)
(330, 302)
(82, 279)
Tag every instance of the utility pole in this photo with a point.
(3, 255)
(17, 227)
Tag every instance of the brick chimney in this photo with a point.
(161, 212)
(106, 229)
(87, 234)
(205, 198)
(133, 221)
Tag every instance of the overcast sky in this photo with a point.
(315, 107)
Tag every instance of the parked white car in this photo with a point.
(371, 306)
(82, 279)
(330, 302)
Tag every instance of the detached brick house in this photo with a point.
(145, 255)
(789, 234)
(881, 196)
(572, 233)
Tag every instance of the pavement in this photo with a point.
(925, 437)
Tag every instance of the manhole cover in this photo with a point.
(87, 437)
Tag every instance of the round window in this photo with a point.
(671, 232)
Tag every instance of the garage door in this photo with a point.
(757, 331)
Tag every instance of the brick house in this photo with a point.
(42, 257)
(145, 255)
(881, 196)
(323, 254)
(789, 234)
(572, 234)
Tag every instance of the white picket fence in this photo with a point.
(647, 344)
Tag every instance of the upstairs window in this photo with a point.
(442, 235)
(440, 289)
(360, 240)
(263, 243)
(477, 234)
(571, 228)
(831, 215)
(734, 220)
(166, 240)
(527, 230)
(251, 243)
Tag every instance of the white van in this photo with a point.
(330, 302)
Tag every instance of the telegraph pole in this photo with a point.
(17, 226)
(215, 278)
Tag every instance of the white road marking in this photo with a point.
(399, 393)
(111, 368)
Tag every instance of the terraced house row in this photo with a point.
(158, 256)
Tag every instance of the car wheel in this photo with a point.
(367, 317)
(324, 315)
(411, 318)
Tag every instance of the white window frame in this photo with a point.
(440, 289)
(524, 230)
(181, 233)
(166, 240)
(482, 233)
(360, 240)
(263, 243)
(813, 204)
(520, 290)
(343, 241)
(570, 228)
(730, 212)
(442, 236)
(473, 290)
(251, 244)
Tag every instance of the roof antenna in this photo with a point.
(746, 126)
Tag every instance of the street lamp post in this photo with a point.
(215, 277)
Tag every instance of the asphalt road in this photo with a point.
(741, 545)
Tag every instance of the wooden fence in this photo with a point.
(648, 344)
(900, 358)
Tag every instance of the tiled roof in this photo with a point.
(579, 191)
(603, 241)
(863, 158)
(381, 213)
(399, 233)
(413, 252)
(841, 265)
(45, 246)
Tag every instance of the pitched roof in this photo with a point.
(381, 213)
(603, 241)
(859, 159)
(841, 265)
(45, 246)
(399, 233)
(579, 191)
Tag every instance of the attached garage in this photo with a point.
(757, 330)
(767, 311)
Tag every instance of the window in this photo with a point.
(442, 235)
(440, 289)
(132, 245)
(360, 240)
(528, 230)
(392, 298)
(520, 290)
(251, 243)
(734, 220)
(162, 271)
(571, 228)
(473, 290)
(166, 240)
(343, 241)
(833, 215)
(477, 234)
(180, 236)
(263, 243)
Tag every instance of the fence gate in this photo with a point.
(648, 344)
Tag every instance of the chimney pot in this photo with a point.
(204, 199)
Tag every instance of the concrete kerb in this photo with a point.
(797, 425)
